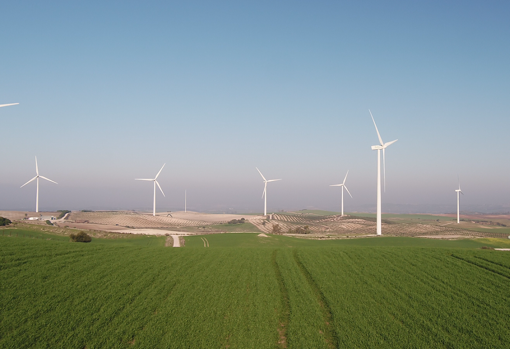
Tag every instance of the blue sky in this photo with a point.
(109, 91)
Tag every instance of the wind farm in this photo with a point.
(333, 254)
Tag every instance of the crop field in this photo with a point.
(248, 291)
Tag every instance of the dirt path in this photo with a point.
(177, 242)
(206, 242)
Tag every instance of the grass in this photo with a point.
(248, 291)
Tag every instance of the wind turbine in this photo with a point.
(37, 178)
(343, 186)
(380, 147)
(155, 183)
(264, 193)
(458, 202)
(6, 105)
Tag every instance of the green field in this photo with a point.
(247, 291)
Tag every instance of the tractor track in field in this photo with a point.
(330, 334)
(482, 266)
(283, 322)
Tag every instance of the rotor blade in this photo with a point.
(48, 179)
(378, 135)
(264, 178)
(264, 191)
(36, 167)
(384, 168)
(28, 182)
(160, 188)
(461, 192)
(389, 143)
(6, 105)
(345, 177)
(160, 171)
(273, 180)
(143, 179)
(336, 185)
(348, 191)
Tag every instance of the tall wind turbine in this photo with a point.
(343, 186)
(155, 183)
(380, 147)
(458, 202)
(6, 105)
(37, 176)
(264, 193)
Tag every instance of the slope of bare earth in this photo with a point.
(335, 226)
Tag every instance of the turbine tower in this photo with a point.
(458, 202)
(264, 193)
(155, 183)
(343, 186)
(37, 176)
(380, 147)
(6, 105)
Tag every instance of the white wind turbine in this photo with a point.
(343, 186)
(155, 183)
(6, 105)
(37, 178)
(264, 193)
(458, 202)
(380, 147)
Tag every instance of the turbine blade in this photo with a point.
(160, 188)
(273, 180)
(6, 105)
(384, 168)
(345, 177)
(28, 182)
(336, 185)
(348, 191)
(48, 179)
(263, 192)
(36, 167)
(159, 172)
(143, 179)
(264, 178)
(389, 143)
(378, 135)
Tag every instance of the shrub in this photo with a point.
(80, 237)
(49, 222)
(62, 213)
(276, 229)
(4, 221)
(237, 221)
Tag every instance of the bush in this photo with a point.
(80, 237)
(62, 213)
(299, 230)
(276, 229)
(4, 221)
(237, 221)
(49, 222)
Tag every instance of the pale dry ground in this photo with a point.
(151, 232)
(19, 215)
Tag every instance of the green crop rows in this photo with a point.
(56, 294)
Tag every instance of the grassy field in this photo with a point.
(247, 291)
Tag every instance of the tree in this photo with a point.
(4, 221)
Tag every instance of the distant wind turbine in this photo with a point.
(458, 202)
(264, 193)
(380, 147)
(343, 186)
(37, 178)
(155, 183)
(6, 105)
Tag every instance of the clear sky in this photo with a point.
(111, 90)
